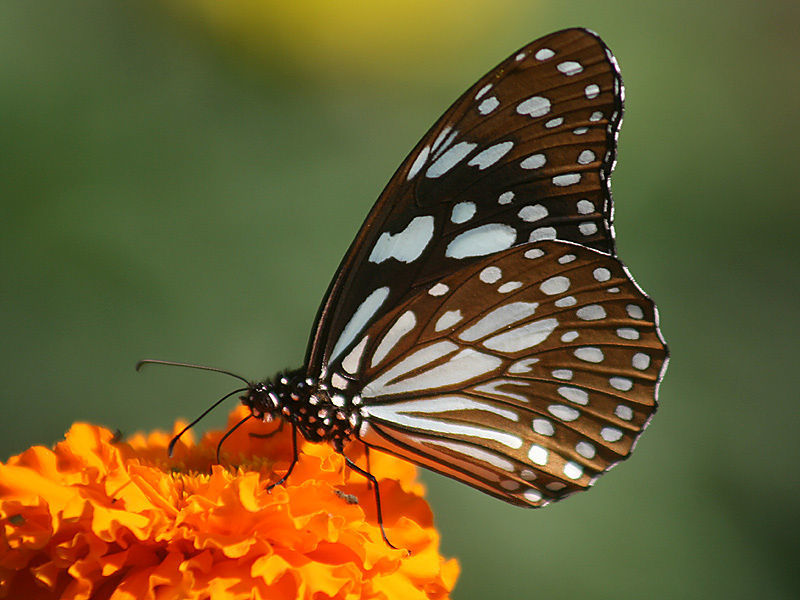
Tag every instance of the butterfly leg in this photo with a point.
(264, 436)
(369, 468)
(294, 460)
(371, 478)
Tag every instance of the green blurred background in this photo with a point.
(180, 181)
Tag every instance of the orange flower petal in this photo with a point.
(99, 518)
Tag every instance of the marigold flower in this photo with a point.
(97, 518)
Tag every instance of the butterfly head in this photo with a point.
(263, 401)
(271, 399)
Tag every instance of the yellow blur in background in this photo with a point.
(347, 38)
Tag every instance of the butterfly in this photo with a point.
(480, 324)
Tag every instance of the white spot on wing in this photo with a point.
(532, 495)
(448, 319)
(587, 228)
(624, 412)
(434, 447)
(634, 311)
(418, 163)
(592, 312)
(499, 318)
(509, 286)
(462, 212)
(419, 358)
(566, 179)
(397, 413)
(532, 213)
(486, 239)
(363, 314)
(555, 285)
(554, 122)
(445, 145)
(351, 362)
(523, 337)
(535, 106)
(486, 158)
(405, 246)
(537, 455)
(505, 198)
(565, 413)
(544, 54)
(482, 91)
(543, 427)
(575, 395)
(339, 382)
(573, 470)
(570, 68)
(404, 324)
(463, 366)
(628, 333)
(589, 354)
(601, 274)
(592, 91)
(442, 404)
(523, 366)
(534, 161)
(566, 301)
(542, 233)
(640, 361)
(492, 388)
(449, 159)
(585, 207)
(622, 384)
(586, 157)
(490, 274)
(479, 454)
(585, 449)
(488, 105)
(440, 138)
(439, 289)
(611, 434)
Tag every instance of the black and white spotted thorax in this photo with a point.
(319, 413)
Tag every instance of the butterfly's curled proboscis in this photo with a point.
(481, 324)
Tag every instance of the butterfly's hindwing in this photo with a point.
(525, 154)
(525, 375)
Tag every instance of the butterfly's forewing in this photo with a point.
(525, 375)
(525, 154)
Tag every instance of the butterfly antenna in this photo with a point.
(175, 439)
(229, 432)
(169, 363)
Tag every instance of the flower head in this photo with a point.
(100, 518)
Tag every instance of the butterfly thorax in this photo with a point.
(305, 403)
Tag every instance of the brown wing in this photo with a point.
(525, 154)
(525, 375)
